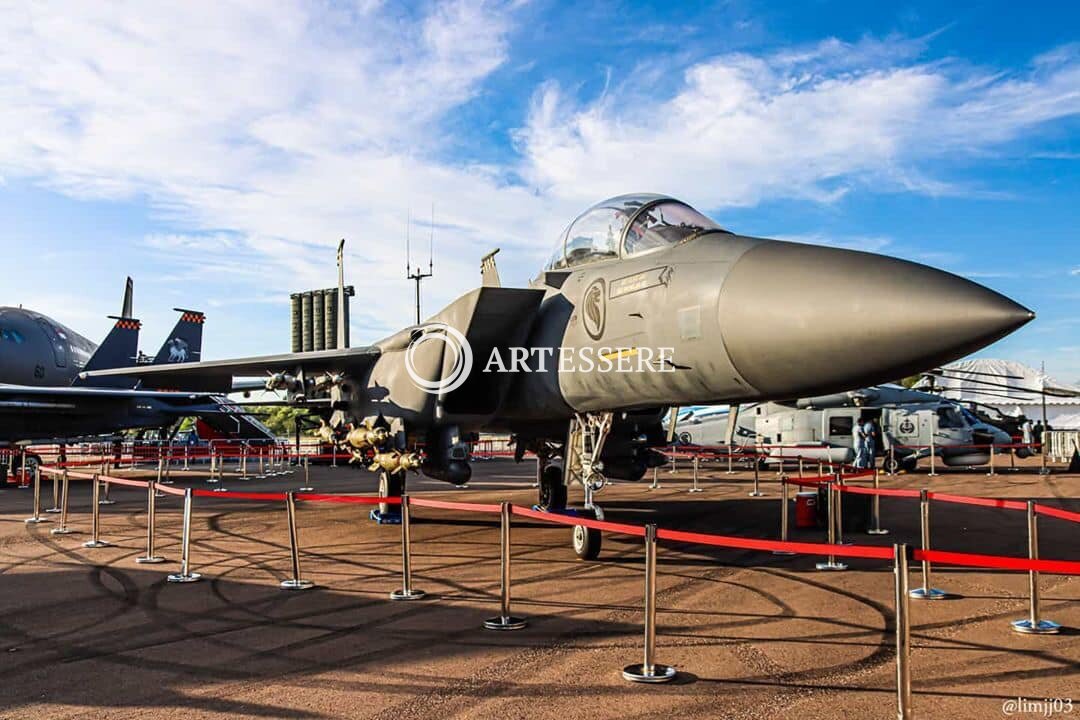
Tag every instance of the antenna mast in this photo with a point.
(418, 275)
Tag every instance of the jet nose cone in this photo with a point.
(802, 319)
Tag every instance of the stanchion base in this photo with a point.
(53, 510)
(1042, 627)
(167, 482)
(877, 531)
(96, 544)
(181, 578)
(756, 493)
(34, 521)
(408, 595)
(660, 673)
(782, 552)
(150, 560)
(106, 502)
(831, 566)
(695, 490)
(927, 594)
(61, 531)
(297, 584)
(505, 623)
(385, 518)
(211, 481)
(305, 489)
(220, 489)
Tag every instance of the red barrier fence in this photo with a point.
(999, 562)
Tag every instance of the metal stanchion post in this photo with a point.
(877, 529)
(37, 499)
(187, 458)
(106, 500)
(800, 467)
(407, 592)
(655, 479)
(695, 488)
(63, 529)
(991, 473)
(505, 621)
(903, 633)
(820, 468)
(294, 583)
(150, 558)
(838, 488)
(243, 462)
(1033, 624)
(831, 563)
(95, 540)
(307, 478)
(925, 592)
(649, 671)
(756, 492)
(783, 516)
(213, 467)
(262, 463)
(24, 481)
(55, 494)
(892, 459)
(160, 472)
(730, 456)
(672, 461)
(933, 451)
(185, 575)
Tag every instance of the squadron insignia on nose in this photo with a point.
(594, 310)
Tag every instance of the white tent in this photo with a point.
(1013, 388)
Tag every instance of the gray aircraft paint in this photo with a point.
(747, 319)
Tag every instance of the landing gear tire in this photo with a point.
(891, 465)
(587, 542)
(552, 493)
(389, 486)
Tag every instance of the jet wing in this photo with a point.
(22, 399)
(216, 376)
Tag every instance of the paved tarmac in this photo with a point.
(91, 634)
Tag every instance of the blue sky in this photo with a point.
(217, 151)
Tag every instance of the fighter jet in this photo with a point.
(42, 396)
(645, 304)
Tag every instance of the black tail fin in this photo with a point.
(117, 350)
(125, 309)
(184, 343)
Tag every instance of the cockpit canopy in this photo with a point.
(628, 225)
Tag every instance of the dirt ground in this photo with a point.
(88, 633)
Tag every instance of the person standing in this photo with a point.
(869, 443)
(858, 442)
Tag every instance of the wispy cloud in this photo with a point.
(812, 123)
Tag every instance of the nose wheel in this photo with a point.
(587, 542)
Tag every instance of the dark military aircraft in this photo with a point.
(42, 396)
(645, 304)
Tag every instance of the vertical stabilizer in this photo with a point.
(126, 308)
(117, 350)
(184, 343)
(489, 272)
